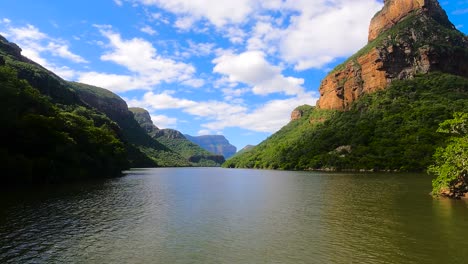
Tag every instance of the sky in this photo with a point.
(204, 67)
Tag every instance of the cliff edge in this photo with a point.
(406, 38)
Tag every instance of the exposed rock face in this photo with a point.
(296, 115)
(215, 144)
(408, 37)
(144, 119)
(396, 10)
(10, 48)
(170, 134)
(103, 100)
(176, 141)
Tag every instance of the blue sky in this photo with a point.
(231, 67)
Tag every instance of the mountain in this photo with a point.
(243, 150)
(216, 144)
(380, 109)
(117, 110)
(406, 38)
(54, 130)
(48, 134)
(176, 141)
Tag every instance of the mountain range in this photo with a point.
(379, 110)
(54, 130)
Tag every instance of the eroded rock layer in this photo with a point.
(407, 38)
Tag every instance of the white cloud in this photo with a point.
(148, 68)
(165, 101)
(184, 23)
(114, 82)
(268, 117)
(118, 2)
(36, 44)
(235, 35)
(306, 34)
(162, 121)
(204, 132)
(201, 49)
(148, 30)
(195, 83)
(253, 69)
(217, 12)
(61, 50)
(318, 36)
(28, 32)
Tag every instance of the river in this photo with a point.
(214, 215)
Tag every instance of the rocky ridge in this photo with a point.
(406, 38)
(216, 144)
(176, 141)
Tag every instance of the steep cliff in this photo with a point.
(406, 38)
(394, 129)
(176, 141)
(216, 144)
(117, 110)
(48, 134)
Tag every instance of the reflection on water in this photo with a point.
(234, 216)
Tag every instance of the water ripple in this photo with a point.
(233, 216)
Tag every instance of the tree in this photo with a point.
(451, 162)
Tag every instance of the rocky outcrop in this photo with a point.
(170, 134)
(407, 38)
(144, 119)
(296, 114)
(176, 141)
(457, 190)
(103, 100)
(396, 10)
(216, 144)
(11, 48)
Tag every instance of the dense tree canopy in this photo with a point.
(393, 129)
(43, 142)
(451, 161)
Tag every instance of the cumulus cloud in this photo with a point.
(306, 34)
(314, 39)
(36, 45)
(148, 68)
(148, 30)
(253, 69)
(61, 50)
(201, 49)
(162, 121)
(268, 117)
(217, 12)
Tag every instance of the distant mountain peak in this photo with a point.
(217, 144)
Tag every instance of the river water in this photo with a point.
(213, 215)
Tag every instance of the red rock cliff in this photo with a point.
(407, 37)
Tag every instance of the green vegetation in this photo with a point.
(393, 129)
(451, 161)
(192, 154)
(42, 142)
(57, 130)
(428, 30)
(154, 153)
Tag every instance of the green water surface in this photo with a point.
(213, 215)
